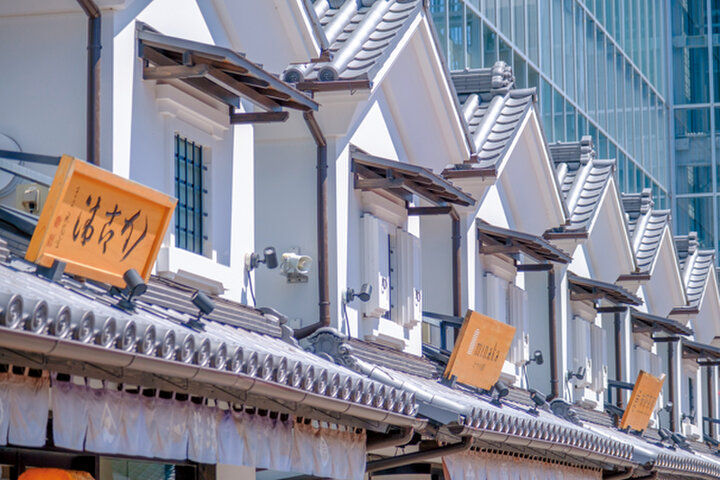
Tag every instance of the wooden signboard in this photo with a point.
(54, 474)
(642, 402)
(480, 351)
(100, 224)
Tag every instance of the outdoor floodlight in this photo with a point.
(294, 263)
(364, 293)
(501, 391)
(580, 374)
(253, 260)
(136, 286)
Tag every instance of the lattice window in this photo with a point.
(189, 190)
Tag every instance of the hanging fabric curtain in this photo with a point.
(27, 402)
(70, 414)
(486, 466)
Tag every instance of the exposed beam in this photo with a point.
(170, 72)
(585, 296)
(224, 80)
(494, 249)
(429, 210)
(378, 183)
(258, 117)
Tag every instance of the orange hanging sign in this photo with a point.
(480, 351)
(642, 402)
(100, 224)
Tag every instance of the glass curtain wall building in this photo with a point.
(695, 45)
(599, 66)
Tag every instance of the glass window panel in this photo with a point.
(690, 62)
(569, 60)
(631, 168)
(490, 53)
(504, 16)
(620, 98)
(591, 70)
(647, 159)
(519, 24)
(533, 78)
(545, 41)
(610, 71)
(520, 71)
(643, 28)
(438, 11)
(695, 214)
(533, 41)
(593, 132)
(456, 31)
(622, 173)
(505, 52)
(693, 169)
(716, 73)
(715, 16)
(558, 116)
(558, 58)
(603, 147)
(582, 126)
(570, 127)
(629, 117)
(602, 97)
(580, 56)
(546, 108)
(637, 140)
(473, 33)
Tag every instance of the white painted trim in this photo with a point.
(172, 102)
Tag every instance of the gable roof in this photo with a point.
(696, 266)
(493, 110)
(646, 227)
(582, 178)
(359, 36)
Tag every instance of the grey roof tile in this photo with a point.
(697, 270)
(360, 34)
(686, 245)
(583, 179)
(647, 237)
(390, 358)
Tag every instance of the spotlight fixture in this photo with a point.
(536, 358)
(538, 399)
(579, 374)
(134, 287)
(665, 434)
(205, 307)
(668, 407)
(501, 391)
(364, 293)
(253, 260)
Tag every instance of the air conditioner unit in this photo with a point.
(375, 264)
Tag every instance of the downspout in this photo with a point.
(420, 456)
(322, 229)
(403, 437)
(92, 145)
(671, 383)
(456, 264)
(618, 357)
(710, 370)
(552, 328)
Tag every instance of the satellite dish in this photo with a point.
(8, 181)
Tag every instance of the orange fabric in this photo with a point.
(54, 474)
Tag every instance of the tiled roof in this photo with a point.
(685, 245)
(70, 321)
(360, 35)
(648, 236)
(582, 179)
(697, 268)
(472, 413)
(392, 358)
(635, 205)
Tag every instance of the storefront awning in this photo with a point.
(495, 240)
(646, 322)
(582, 288)
(219, 72)
(404, 180)
(706, 355)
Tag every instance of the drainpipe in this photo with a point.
(322, 229)
(710, 371)
(618, 357)
(552, 328)
(420, 456)
(403, 437)
(671, 383)
(456, 265)
(92, 145)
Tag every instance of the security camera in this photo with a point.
(295, 267)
